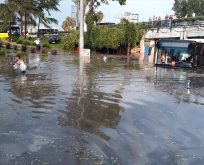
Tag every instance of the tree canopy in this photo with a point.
(30, 10)
(185, 8)
(68, 24)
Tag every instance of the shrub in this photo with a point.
(21, 54)
(23, 48)
(2, 52)
(32, 49)
(26, 42)
(1, 44)
(32, 43)
(8, 45)
(71, 42)
(46, 45)
(54, 51)
(15, 38)
(15, 47)
(114, 37)
(44, 51)
(20, 40)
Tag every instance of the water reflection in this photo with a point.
(96, 112)
(32, 86)
(184, 85)
(88, 108)
(33, 61)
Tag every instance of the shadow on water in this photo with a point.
(99, 111)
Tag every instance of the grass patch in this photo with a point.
(2, 53)
(21, 54)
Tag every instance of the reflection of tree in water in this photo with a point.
(33, 87)
(89, 109)
(92, 111)
(6, 66)
(162, 157)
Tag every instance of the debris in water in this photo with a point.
(35, 82)
(188, 84)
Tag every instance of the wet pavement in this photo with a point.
(68, 111)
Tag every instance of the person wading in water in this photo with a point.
(20, 64)
(37, 43)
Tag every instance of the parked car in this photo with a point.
(54, 38)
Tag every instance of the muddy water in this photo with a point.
(67, 111)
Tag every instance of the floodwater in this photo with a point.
(69, 111)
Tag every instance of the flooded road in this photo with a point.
(64, 111)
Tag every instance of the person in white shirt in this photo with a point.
(20, 64)
(37, 43)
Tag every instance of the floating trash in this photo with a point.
(188, 84)
(35, 82)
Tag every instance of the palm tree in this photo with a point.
(7, 13)
(28, 10)
(99, 16)
(68, 24)
(20, 9)
(44, 7)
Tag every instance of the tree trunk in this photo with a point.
(21, 20)
(25, 30)
(128, 49)
(128, 54)
(10, 31)
(38, 26)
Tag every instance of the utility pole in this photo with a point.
(82, 51)
(81, 38)
(75, 12)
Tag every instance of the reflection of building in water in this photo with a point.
(183, 85)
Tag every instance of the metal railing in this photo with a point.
(174, 23)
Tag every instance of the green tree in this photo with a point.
(25, 10)
(28, 10)
(99, 16)
(92, 17)
(44, 8)
(185, 8)
(113, 39)
(7, 14)
(196, 6)
(132, 34)
(124, 35)
(22, 10)
(71, 41)
(180, 7)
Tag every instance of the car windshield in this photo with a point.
(53, 36)
(169, 51)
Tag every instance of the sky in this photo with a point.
(112, 12)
